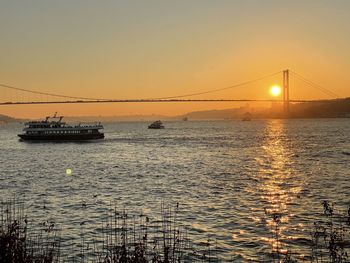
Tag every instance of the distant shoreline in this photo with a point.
(339, 108)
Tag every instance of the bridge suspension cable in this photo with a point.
(316, 86)
(49, 94)
(175, 98)
(220, 89)
(160, 98)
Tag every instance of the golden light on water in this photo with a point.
(275, 90)
(276, 192)
(69, 171)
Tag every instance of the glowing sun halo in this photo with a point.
(275, 90)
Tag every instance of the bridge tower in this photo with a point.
(286, 92)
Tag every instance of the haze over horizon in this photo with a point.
(139, 49)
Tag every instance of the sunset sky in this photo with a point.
(146, 49)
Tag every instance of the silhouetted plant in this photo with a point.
(330, 236)
(140, 239)
(17, 245)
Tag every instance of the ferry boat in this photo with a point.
(156, 125)
(54, 129)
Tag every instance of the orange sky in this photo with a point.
(114, 49)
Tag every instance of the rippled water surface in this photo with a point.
(226, 175)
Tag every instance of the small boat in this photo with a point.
(247, 117)
(156, 125)
(185, 119)
(53, 129)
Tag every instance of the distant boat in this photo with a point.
(156, 125)
(247, 117)
(185, 119)
(53, 129)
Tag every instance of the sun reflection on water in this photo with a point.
(275, 184)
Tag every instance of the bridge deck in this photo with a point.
(153, 101)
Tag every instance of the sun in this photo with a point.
(275, 90)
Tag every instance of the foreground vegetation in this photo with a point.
(137, 239)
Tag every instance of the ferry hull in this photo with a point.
(63, 137)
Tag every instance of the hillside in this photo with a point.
(329, 109)
(214, 114)
(6, 119)
(339, 108)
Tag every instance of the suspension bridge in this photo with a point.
(39, 97)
